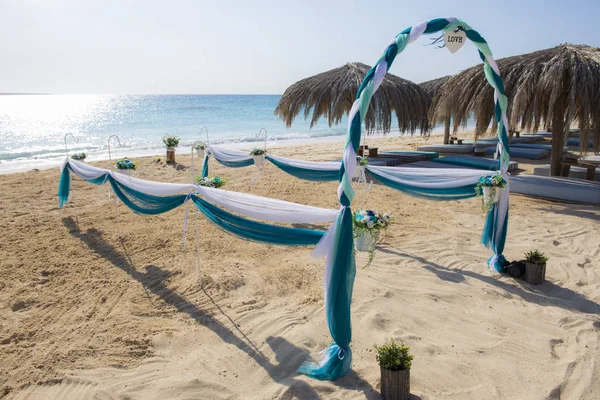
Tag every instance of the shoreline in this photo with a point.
(20, 166)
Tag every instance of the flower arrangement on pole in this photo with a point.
(212, 181)
(200, 149)
(125, 166)
(79, 156)
(489, 189)
(367, 225)
(259, 156)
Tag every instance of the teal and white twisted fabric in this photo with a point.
(340, 266)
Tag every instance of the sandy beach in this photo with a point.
(85, 314)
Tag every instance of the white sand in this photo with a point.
(83, 316)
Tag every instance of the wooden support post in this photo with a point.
(447, 131)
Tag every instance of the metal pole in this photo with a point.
(65, 139)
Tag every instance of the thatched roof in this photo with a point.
(562, 82)
(331, 94)
(431, 87)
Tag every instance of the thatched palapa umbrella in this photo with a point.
(550, 88)
(331, 94)
(431, 88)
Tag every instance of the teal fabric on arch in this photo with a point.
(306, 174)
(257, 231)
(64, 186)
(205, 166)
(446, 194)
(236, 164)
(337, 358)
(143, 203)
(495, 242)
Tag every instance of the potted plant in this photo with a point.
(362, 161)
(259, 156)
(125, 166)
(213, 181)
(171, 142)
(79, 156)
(394, 362)
(200, 150)
(490, 187)
(535, 267)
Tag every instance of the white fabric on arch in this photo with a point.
(227, 155)
(431, 178)
(310, 165)
(266, 208)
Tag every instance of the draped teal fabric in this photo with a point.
(205, 166)
(144, 203)
(150, 205)
(64, 187)
(337, 358)
(306, 174)
(461, 192)
(257, 231)
(236, 164)
(495, 242)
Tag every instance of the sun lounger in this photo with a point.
(537, 134)
(447, 148)
(576, 142)
(532, 154)
(404, 157)
(429, 164)
(551, 187)
(535, 146)
(574, 172)
(474, 162)
(428, 154)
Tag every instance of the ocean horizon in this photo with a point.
(33, 126)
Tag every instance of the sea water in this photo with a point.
(33, 127)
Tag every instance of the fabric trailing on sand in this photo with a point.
(340, 269)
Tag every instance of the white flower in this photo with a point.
(381, 222)
(387, 217)
(363, 213)
(377, 215)
(369, 224)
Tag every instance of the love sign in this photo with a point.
(455, 40)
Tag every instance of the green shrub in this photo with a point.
(393, 356)
(171, 141)
(536, 257)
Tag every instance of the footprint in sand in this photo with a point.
(553, 344)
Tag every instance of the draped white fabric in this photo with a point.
(310, 165)
(249, 205)
(228, 155)
(431, 178)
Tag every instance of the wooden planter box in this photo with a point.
(170, 154)
(535, 273)
(395, 385)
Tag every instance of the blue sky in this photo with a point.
(254, 46)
